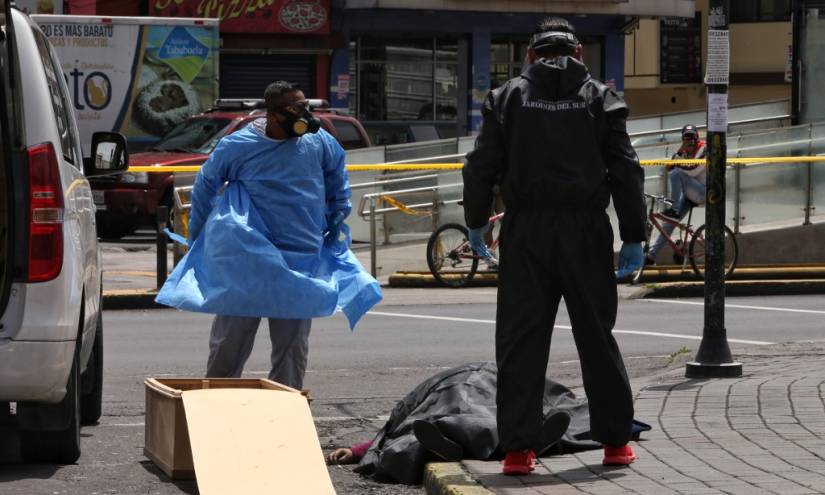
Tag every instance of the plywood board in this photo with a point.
(254, 442)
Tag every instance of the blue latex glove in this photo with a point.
(476, 238)
(631, 258)
(334, 226)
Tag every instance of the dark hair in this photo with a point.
(274, 94)
(548, 45)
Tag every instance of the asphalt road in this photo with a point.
(355, 378)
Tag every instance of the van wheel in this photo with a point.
(91, 397)
(60, 446)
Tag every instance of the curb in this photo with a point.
(450, 478)
(736, 288)
(425, 279)
(130, 299)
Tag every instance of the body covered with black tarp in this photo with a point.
(462, 402)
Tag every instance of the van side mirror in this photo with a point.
(109, 155)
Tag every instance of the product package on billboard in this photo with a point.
(138, 76)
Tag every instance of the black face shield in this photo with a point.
(549, 39)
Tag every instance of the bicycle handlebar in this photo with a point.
(658, 199)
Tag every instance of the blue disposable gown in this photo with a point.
(257, 248)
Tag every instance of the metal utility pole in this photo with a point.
(714, 359)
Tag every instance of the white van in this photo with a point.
(51, 341)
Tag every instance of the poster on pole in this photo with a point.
(717, 112)
(718, 63)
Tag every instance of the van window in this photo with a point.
(59, 102)
(348, 134)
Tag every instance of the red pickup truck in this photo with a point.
(130, 200)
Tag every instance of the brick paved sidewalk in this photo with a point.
(762, 433)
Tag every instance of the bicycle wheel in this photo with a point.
(696, 252)
(450, 257)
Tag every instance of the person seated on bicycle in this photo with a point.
(687, 185)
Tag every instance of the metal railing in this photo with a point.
(731, 125)
(757, 194)
(369, 213)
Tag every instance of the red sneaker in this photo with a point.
(618, 456)
(518, 462)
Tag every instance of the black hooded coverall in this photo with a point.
(555, 141)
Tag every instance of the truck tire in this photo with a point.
(91, 397)
(59, 446)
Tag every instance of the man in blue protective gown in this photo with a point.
(267, 239)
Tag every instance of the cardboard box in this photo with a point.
(167, 436)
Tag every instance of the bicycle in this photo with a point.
(694, 240)
(449, 256)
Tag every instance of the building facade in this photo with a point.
(418, 70)
(410, 70)
(665, 58)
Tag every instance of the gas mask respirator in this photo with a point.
(296, 125)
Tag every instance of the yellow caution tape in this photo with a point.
(736, 161)
(160, 169)
(406, 166)
(457, 166)
(406, 209)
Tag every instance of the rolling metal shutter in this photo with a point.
(248, 75)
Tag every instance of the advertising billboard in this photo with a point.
(138, 76)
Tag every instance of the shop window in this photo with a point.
(760, 10)
(506, 60)
(400, 79)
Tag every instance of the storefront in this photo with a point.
(808, 68)
(413, 75)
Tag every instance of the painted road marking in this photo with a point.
(566, 327)
(740, 306)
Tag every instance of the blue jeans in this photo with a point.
(681, 184)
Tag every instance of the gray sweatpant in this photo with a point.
(232, 338)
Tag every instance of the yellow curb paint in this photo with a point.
(140, 273)
(129, 292)
(449, 478)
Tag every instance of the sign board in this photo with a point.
(681, 50)
(134, 75)
(252, 16)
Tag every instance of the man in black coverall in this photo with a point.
(555, 141)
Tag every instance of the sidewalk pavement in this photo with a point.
(762, 433)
